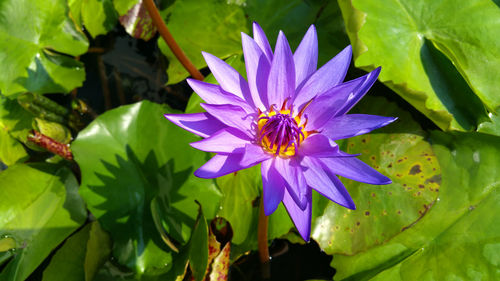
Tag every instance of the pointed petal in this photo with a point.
(229, 79)
(328, 76)
(294, 179)
(360, 92)
(232, 116)
(257, 66)
(346, 126)
(281, 83)
(224, 141)
(213, 94)
(301, 218)
(325, 106)
(355, 169)
(201, 124)
(306, 56)
(319, 145)
(321, 181)
(261, 40)
(273, 187)
(220, 165)
(254, 154)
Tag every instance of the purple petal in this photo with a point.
(306, 56)
(301, 218)
(351, 125)
(273, 187)
(231, 115)
(213, 94)
(325, 106)
(220, 165)
(281, 83)
(224, 141)
(229, 79)
(326, 184)
(201, 124)
(355, 169)
(328, 76)
(254, 154)
(351, 100)
(261, 40)
(294, 179)
(319, 145)
(257, 66)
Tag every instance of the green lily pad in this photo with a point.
(35, 35)
(464, 219)
(435, 54)
(399, 151)
(128, 157)
(40, 207)
(218, 25)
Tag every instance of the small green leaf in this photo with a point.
(198, 249)
(98, 16)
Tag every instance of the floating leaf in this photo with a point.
(399, 151)
(129, 156)
(35, 34)
(435, 54)
(462, 220)
(40, 207)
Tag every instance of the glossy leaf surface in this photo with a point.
(35, 34)
(435, 54)
(399, 151)
(130, 156)
(462, 220)
(40, 207)
(218, 25)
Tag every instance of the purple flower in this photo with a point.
(287, 117)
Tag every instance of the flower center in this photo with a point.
(280, 133)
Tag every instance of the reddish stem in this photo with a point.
(50, 145)
(169, 39)
(265, 265)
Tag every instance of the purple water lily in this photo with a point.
(287, 117)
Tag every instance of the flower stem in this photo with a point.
(169, 39)
(265, 265)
